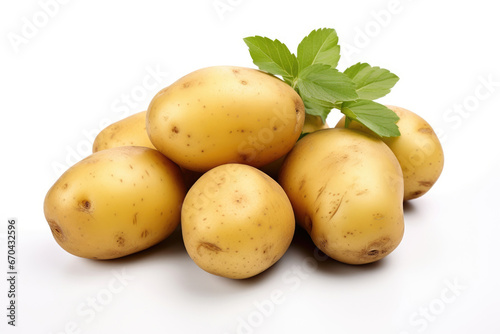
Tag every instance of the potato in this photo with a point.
(313, 123)
(418, 150)
(130, 131)
(225, 114)
(346, 189)
(236, 221)
(115, 202)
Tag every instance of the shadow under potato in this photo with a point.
(305, 256)
(302, 252)
(409, 207)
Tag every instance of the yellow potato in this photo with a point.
(311, 124)
(346, 188)
(236, 221)
(130, 131)
(418, 150)
(115, 202)
(225, 114)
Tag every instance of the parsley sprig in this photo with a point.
(313, 74)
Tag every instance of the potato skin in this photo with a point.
(346, 189)
(236, 221)
(115, 202)
(313, 123)
(225, 114)
(418, 151)
(130, 131)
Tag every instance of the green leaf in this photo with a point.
(324, 83)
(318, 108)
(371, 82)
(373, 115)
(319, 47)
(273, 57)
(312, 73)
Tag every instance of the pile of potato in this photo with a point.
(218, 152)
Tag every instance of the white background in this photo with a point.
(90, 62)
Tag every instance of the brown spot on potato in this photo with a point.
(376, 250)
(144, 234)
(175, 129)
(301, 184)
(243, 82)
(333, 212)
(322, 243)
(244, 157)
(240, 199)
(425, 130)
(134, 219)
(236, 71)
(56, 231)
(186, 85)
(208, 246)
(359, 193)
(299, 106)
(85, 206)
(65, 186)
(426, 184)
(416, 193)
(120, 241)
(320, 191)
